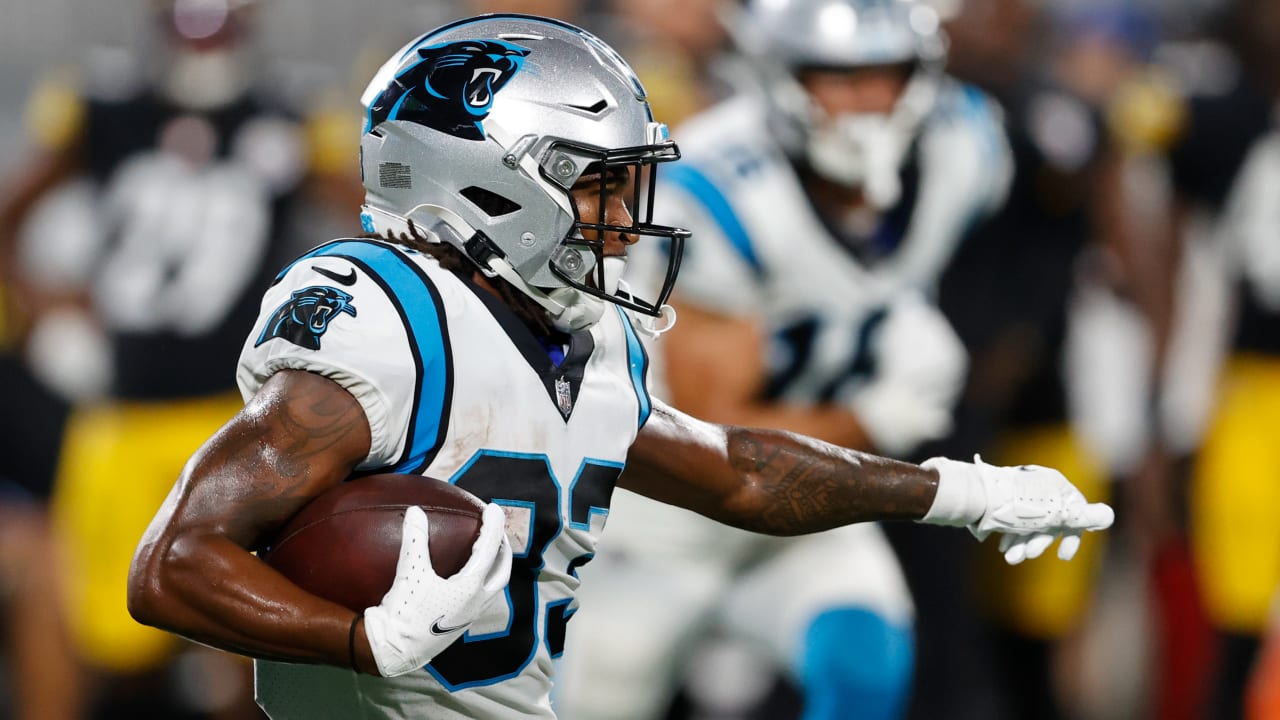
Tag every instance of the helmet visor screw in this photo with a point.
(564, 167)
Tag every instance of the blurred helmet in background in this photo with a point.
(205, 58)
(789, 40)
(476, 134)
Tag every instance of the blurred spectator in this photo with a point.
(824, 203)
(169, 178)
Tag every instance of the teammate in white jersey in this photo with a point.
(824, 210)
(508, 159)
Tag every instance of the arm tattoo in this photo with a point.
(290, 443)
(309, 425)
(801, 485)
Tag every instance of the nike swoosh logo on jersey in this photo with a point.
(436, 629)
(348, 279)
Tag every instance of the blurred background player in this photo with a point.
(1224, 167)
(40, 668)
(152, 216)
(825, 205)
(42, 673)
(1010, 294)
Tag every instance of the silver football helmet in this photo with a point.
(476, 134)
(784, 38)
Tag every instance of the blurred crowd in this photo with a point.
(1120, 311)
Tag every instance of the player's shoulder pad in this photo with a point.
(313, 292)
(368, 315)
(961, 105)
(1184, 94)
(965, 137)
(1148, 113)
(729, 140)
(729, 164)
(55, 111)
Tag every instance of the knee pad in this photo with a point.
(856, 664)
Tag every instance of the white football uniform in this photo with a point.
(759, 250)
(455, 388)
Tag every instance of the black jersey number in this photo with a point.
(524, 481)
(798, 342)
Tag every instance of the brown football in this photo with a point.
(343, 545)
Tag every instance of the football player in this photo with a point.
(43, 679)
(185, 175)
(1015, 295)
(1225, 165)
(487, 341)
(824, 210)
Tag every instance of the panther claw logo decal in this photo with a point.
(303, 318)
(451, 87)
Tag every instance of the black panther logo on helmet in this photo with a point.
(303, 318)
(451, 87)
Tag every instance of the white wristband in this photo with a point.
(961, 498)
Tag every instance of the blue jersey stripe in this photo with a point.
(638, 362)
(322, 249)
(978, 107)
(705, 192)
(422, 311)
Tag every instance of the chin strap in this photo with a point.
(653, 327)
(648, 325)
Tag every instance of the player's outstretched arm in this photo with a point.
(785, 484)
(193, 573)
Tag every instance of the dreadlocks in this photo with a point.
(533, 315)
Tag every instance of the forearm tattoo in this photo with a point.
(802, 485)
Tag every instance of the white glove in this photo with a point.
(1029, 505)
(423, 613)
(920, 369)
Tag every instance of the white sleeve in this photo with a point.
(361, 314)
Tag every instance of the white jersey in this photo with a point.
(455, 388)
(760, 250)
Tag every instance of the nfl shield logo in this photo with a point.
(564, 398)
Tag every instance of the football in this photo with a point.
(343, 545)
